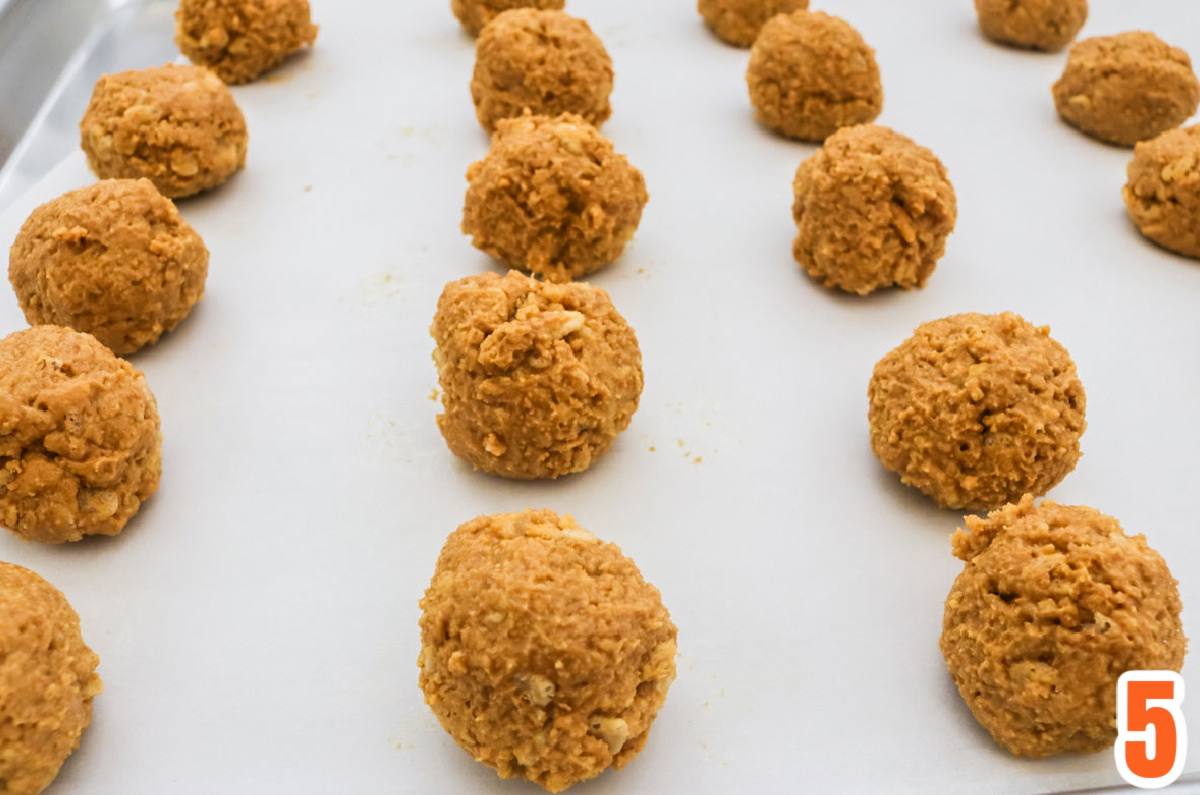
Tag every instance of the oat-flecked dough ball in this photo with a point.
(1163, 190)
(544, 653)
(553, 197)
(79, 437)
(811, 73)
(738, 22)
(873, 209)
(177, 126)
(977, 410)
(241, 39)
(114, 259)
(1034, 24)
(1054, 603)
(47, 681)
(544, 62)
(537, 378)
(475, 14)
(1126, 88)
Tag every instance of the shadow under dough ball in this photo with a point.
(177, 126)
(1126, 88)
(241, 39)
(537, 378)
(872, 209)
(544, 653)
(738, 22)
(1034, 24)
(475, 14)
(1053, 604)
(47, 681)
(79, 437)
(114, 259)
(1162, 193)
(977, 410)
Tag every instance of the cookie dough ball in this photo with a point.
(1054, 603)
(811, 73)
(544, 653)
(537, 378)
(114, 259)
(241, 39)
(47, 681)
(1163, 191)
(544, 62)
(1126, 88)
(475, 14)
(873, 209)
(177, 126)
(977, 410)
(79, 437)
(738, 22)
(1035, 24)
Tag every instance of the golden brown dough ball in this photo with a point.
(1054, 603)
(537, 378)
(1035, 24)
(977, 410)
(475, 14)
(811, 73)
(1163, 191)
(79, 436)
(114, 259)
(241, 39)
(544, 62)
(1126, 88)
(553, 197)
(873, 210)
(544, 653)
(738, 22)
(177, 126)
(47, 681)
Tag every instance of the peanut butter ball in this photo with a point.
(1126, 88)
(738, 22)
(537, 378)
(977, 410)
(553, 197)
(1033, 24)
(47, 681)
(873, 210)
(1163, 191)
(114, 259)
(177, 126)
(79, 437)
(542, 61)
(241, 39)
(544, 653)
(1053, 604)
(475, 14)
(811, 73)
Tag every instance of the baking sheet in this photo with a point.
(257, 622)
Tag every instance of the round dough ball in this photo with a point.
(738, 22)
(811, 73)
(873, 209)
(177, 126)
(553, 197)
(47, 681)
(1163, 191)
(79, 436)
(1126, 88)
(475, 14)
(544, 62)
(241, 39)
(1054, 603)
(114, 259)
(544, 653)
(1035, 24)
(537, 378)
(977, 410)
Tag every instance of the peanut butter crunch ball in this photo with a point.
(1163, 191)
(738, 22)
(241, 39)
(1033, 24)
(475, 14)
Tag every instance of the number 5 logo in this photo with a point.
(1151, 734)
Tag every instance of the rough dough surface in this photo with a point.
(544, 62)
(873, 209)
(553, 197)
(241, 39)
(1035, 24)
(977, 410)
(79, 436)
(47, 681)
(544, 653)
(738, 22)
(475, 14)
(1126, 88)
(1054, 603)
(811, 73)
(177, 126)
(114, 259)
(537, 378)
(1163, 190)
